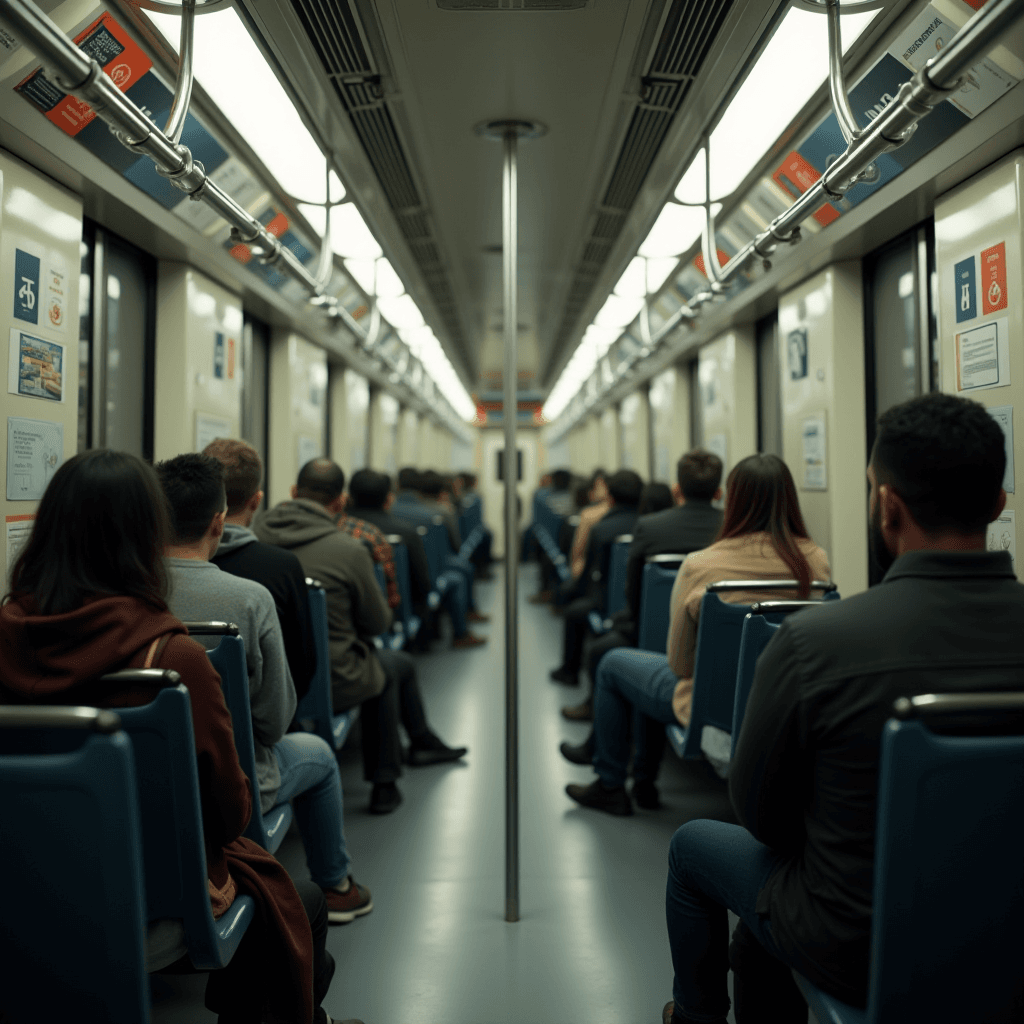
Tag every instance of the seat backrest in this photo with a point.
(316, 704)
(655, 610)
(72, 927)
(947, 941)
(755, 635)
(173, 853)
(615, 593)
(435, 542)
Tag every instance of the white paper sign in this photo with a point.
(983, 356)
(35, 448)
(812, 439)
(1002, 535)
(209, 428)
(19, 529)
(1003, 415)
(309, 449)
(36, 367)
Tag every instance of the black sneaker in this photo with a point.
(580, 753)
(614, 801)
(646, 796)
(384, 798)
(430, 749)
(566, 676)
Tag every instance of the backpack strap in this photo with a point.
(156, 650)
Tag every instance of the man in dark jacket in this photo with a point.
(690, 526)
(586, 593)
(382, 682)
(241, 553)
(370, 499)
(798, 870)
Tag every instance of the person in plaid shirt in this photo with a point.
(380, 549)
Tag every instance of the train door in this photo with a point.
(116, 345)
(769, 388)
(255, 387)
(900, 329)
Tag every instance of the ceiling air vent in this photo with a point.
(689, 31)
(511, 5)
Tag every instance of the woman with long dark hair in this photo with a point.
(763, 537)
(88, 597)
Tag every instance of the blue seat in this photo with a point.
(228, 658)
(173, 853)
(614, 586)
(410, 623)
(756, 634)
(659, 575)
(316, 710)
(946, 938)
(717, 658)
(73, 923)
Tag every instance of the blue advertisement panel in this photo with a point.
(26, 287)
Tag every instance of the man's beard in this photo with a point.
(876, 541)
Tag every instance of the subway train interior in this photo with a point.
(712, 245)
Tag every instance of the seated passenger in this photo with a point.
(382, 682)
(689, 525)
(599, 503)
(562, 502)
(241, 553)
(376, 544)
(297, 766)
(370, 499)
(763, 537)
(468, 497)
(804, 779)
(88, 597)
(587, 592)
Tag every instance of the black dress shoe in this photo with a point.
(646, 796)
(613, 801)
(566, 676)
(581, 753)
(384, 798)
(579, 712)
(432, 750)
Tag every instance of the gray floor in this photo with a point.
(590, 947)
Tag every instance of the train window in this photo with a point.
(696, 406)
(769, 388)
(117, 345)
(255, 386)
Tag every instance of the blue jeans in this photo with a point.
(310, 779)
(465, 567)
(455, 600)
(712, 867)
(629, 682)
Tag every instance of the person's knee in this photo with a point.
(612, 664)
(689, 839)
(314, 903)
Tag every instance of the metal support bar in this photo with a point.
(183, 83)
(712, 269)
(510, 249)
(837, 77)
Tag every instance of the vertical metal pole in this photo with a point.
(510, 247)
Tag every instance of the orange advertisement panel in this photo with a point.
(993, 279)
(795, 175)
(113, 49)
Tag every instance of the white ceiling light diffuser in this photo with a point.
(350, 237)
(618, 311)
(633, 283)
(401, 311)
(675, 230)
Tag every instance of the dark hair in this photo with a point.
(100, 531)
(408, 479)
(654, 498)
(194, 487)
(945, 457)
(468, 480)
(320, 480)
(625, 487)
(432, 484)
(243, 470)
(699, 474)
(560, 479)
(369, 489)
(761, 497)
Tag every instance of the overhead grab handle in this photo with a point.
(712, 268)
(186, 75)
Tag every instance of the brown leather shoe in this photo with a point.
(469, 640)
(477, 617)
(579, 712)
(544, 597)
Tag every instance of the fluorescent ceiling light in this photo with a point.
(602, 338)
(350, 237)
(361, 271)
(389, 284)
(675, 230)
(401, 312)
(659, 269)
(253, 100)
(633, 283)
(618, 311)
(692, 185)
(793, 65)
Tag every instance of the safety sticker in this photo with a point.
(26, 287)
(993, 279)
(965, 288)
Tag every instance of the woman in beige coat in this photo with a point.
(762, 537)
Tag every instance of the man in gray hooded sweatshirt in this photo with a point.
(297, 766)
(383, 682)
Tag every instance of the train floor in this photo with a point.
(590, 947)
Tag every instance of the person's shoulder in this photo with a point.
(187, 656)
